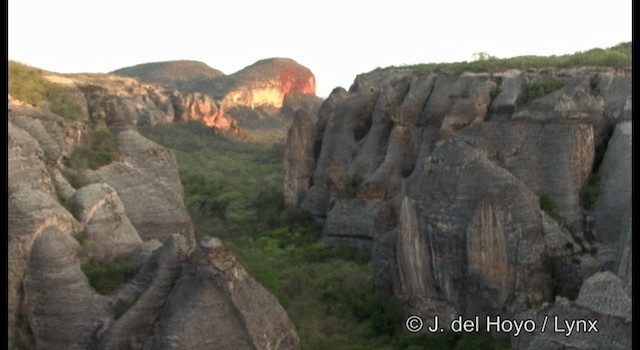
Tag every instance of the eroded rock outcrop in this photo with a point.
(470, 197)
(62, 309)
(92, 198)
(251, 102)
(214, 304)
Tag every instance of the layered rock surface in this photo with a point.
(125, 209)
(471, 201)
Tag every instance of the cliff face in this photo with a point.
(238, 102)
(471, 190)
(94, 192)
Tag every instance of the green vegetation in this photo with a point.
(594, 80)
(101, 151)
(592, 191)
(547, 204)
(618, 56)
(327, 291)
(64, 106)
(107, 276)
(537, 89)
(27, 83)
(121, 306)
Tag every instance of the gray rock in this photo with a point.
(154, 209)
(625, 256)
(143, 252)
(148, 293)
(613, 332)
(491, 223)
(351, 221)
(552, 159)
(215, 303)
(602, 300)
(504, 103)
(605, 293)
(51, 150)
(571, 257)
(63, 310)
(100, 210)
(26, 163)
(30, 213)
(473, 165)
(613, 206)
(299, 159)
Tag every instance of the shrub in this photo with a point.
(121, 306)
(382, 312)
(537, 89)
(64, 106)
(494, 93)
(350, 189)
(101, 151)
(592, 191)
(407, 169)
(618, 56)
(547, 204)
(594, 80)
(107, 276)
(27, 83)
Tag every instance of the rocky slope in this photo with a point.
(94, 192)
(478, 193)
(256, 101)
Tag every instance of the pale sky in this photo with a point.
(336, 39)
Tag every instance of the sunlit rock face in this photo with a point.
(235, 102)
(441, 177)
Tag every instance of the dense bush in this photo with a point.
(618, 56)
(547, 204)
(101, 151)
(537, 89)
(64, 106)
(592, 191)
(28, 84)
(121, 306)
(107, 276)
(327, 291)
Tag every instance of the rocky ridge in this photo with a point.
(471, 200)
(256, 100)
(126, 211)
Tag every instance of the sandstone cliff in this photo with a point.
(253, 101)
(91, 199)
(474, 192)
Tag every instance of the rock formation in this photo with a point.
(94, 192)
(251, 101)
(471, 199)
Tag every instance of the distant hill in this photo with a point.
(173, 74)
(285, 72)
